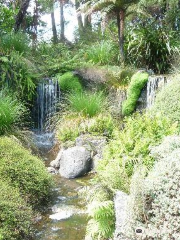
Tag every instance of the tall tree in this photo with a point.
(55, 37)
(21, 14)
(62, 21)
(119, 8)
(79, 16)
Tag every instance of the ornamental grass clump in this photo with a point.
(86, 103)
(11, 112)
(138, 81)
(69, 83)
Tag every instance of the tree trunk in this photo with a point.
(55, 38)
(87, 22)
(120, 23)
(79, 17)
(62, 36)
(21, 14)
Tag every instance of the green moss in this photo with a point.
(69, 83)
(138, 81)
(24, 171)
(15, 214)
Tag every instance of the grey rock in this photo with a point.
(121, 212)
(95, 144)
(51, 170)
(75, 162)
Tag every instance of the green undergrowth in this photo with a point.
(127, 149)
(138, 81)
(69, 83)
(71, 126)
(130, 147)
(87, 103)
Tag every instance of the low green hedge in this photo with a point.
(24, 171)
(15, 214)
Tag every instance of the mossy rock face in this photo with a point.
(138, 81)
(24, 171)
(168, 101)
(15, 214)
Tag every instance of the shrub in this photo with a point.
(69, 83)
(131, 146)
(11, 112)
(159, 211)
(168, 101)
(15, 215)
(24, 171)
(89, 104)
(150, 45)
(137, 83)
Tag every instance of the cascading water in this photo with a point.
(154, 83)
(48, 97)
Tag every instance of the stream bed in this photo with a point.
(65, 218)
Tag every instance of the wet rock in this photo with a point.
(121, 211)
(75, 162)
(51, 170)
(61, 214)
(56, 162)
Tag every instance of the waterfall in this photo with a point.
(154, 83)
(48, 96)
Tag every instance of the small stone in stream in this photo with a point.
(75, 162)
(56, 162)
(51, 170)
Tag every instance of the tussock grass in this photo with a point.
(89, 104)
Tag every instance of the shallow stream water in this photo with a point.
(65, 219)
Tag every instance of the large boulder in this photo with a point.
(75, 162)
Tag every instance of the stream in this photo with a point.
(65, 219)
